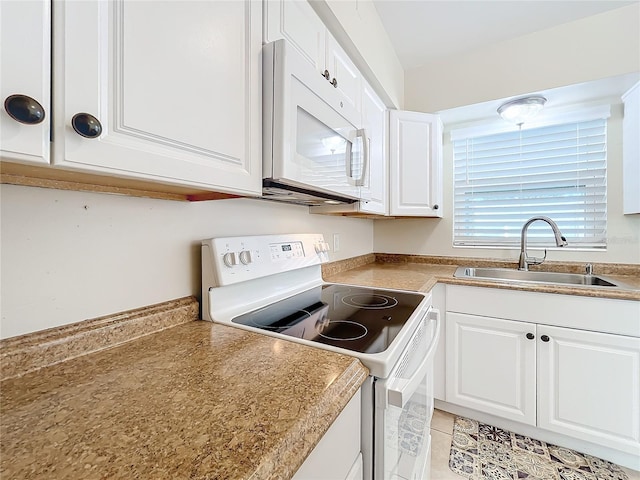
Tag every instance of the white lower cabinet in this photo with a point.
(337, 455)
(491, 366)
(572, 370)
(589, 386)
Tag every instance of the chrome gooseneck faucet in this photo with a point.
(525, 261)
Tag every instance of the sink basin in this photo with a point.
(509, 275)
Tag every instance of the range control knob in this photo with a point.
(321, 247)
(245, 257)
(230, 259)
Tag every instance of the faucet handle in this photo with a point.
(588, 269)
(537, 260)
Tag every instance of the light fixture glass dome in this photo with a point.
(521, 110)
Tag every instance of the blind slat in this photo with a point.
(502, 180)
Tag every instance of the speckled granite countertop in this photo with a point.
(421, 273)
(198, 400)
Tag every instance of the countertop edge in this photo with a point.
(618, 294)
(309, 430)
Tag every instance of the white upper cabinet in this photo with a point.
(163, 91)
(344, 76)
(374, 193)
(404, 175)
(25, 41)
(631, 150)
(415, 164)
(297, 22)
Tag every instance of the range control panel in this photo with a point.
(286, 251)
(237, 259)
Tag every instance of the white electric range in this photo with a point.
(272, 284)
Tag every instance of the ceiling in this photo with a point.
(422, 31)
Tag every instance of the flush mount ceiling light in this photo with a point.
(520, 110)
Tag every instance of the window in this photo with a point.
(503, 179)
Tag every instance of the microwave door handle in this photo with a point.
(347, 163)
(362, 133)
(400, 390)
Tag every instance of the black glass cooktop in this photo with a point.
(355, 318)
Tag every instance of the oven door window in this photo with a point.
(403, 440)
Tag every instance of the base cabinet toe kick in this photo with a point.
(560, 368)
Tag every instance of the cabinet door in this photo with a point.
(491, 366)
(345, 77)
(415, 164)
(631, 150)
(374, 118)
(589, 386)
(338, 450)
(296, 21)
(174, 84)
(25, 56)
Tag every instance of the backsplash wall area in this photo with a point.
(71, 256)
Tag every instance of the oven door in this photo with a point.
(404, 406)
(312, 139)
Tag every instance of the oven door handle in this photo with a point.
(400, 390)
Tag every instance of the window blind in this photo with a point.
(501, 180)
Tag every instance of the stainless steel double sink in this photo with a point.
(512, 275)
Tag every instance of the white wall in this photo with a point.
(72, 256)
(595, 47)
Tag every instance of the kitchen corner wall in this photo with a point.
(434, 236)
(596, 47)
(71, 256)
(592, 48)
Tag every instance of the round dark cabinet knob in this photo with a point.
(530, 336)
(544, 338)
(24, 109)
(436, 206)
(86, 125)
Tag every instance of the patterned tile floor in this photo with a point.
(442, 435)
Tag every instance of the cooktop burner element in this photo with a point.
(341, 330)
(359, 319)
(370, 301)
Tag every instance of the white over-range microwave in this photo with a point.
(312, 153)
